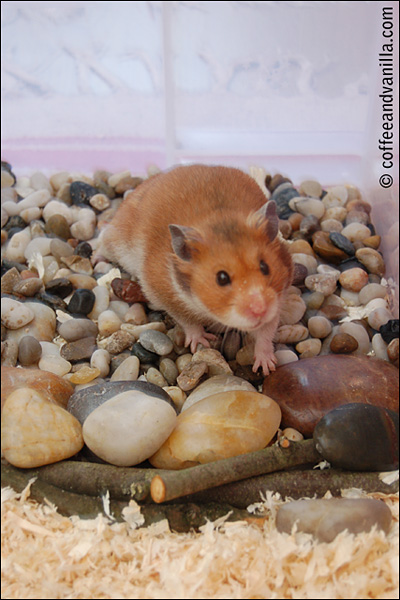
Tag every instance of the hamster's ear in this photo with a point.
(272, 220)
(269, 219)
(185, 241)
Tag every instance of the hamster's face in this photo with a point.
(240, 285)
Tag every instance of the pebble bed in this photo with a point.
(90, 325)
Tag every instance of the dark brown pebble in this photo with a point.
(343, 343)
(127, 290)
(79, 350)
(307, 389)
(359, 437)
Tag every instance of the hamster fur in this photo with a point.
(203, 243)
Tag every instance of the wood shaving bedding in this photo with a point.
(47, 555)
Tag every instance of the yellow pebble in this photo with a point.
(84, 375)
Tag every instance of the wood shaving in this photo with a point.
(46, 555)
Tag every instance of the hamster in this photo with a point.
(203, 243)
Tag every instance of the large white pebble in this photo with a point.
(129, 428)
(15, 314)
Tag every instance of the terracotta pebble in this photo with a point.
(307, 389)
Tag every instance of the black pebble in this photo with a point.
(342, 242)
(282, 198)
(14, 221)
(359, 437)
(390, 331)
(81, 192)
(145, 356)
(61, 287)
(84, 249)
(82, 302)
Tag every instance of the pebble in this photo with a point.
(371, 291)
(393, 351)
(56, 207)
(101, 302)
(129, 291)
(15, 314)
(353, 279)
(379, 317)
(231, 344)
(322, 282)
(28, 287)
(216, 385)
(308, 206)
(177, 396)
(324, 247)
(216, 363)
(82, 301)
(191, 375)
(130, 427)
(359, 333)
(357, 216)
(35, 432)
(356, 232)
(372, 260)
(51, 387)
(42, 327)
(144, 355)
(331, 226)
(343, 343)
(307, 389)
(292, 310)
(156, 341)
(379, 347)
(54, 364)
(108, 323)
(324, 518)
(169, 370)
(15, 248)
(284, 357)
(116, 342)
(308, 261)
(390, 330)
(84, 375)
(76, 329)
(58, 225)
(154, 376)
(359, 437)
(78, 350)
(290, 334)
(222, 425)
(100, 359)
(310, 187)
(81, 192)
(136, 315)
(82, 281)
(29, 351)
(319, 327)
(309, 348)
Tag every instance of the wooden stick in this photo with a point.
(175, 484)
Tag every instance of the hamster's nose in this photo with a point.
(257, 305)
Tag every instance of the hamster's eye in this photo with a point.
(223, 278)
(264, 268)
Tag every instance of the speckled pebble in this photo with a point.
(15, 314)
(79, 350)
(191, 375)
(321, 282)
(116, 342)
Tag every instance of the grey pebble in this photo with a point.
(155, 341)
(29, 351)
(75, 329)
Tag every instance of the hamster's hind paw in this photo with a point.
(195, 335)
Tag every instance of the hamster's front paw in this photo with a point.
(267, 362)
(195, 335)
